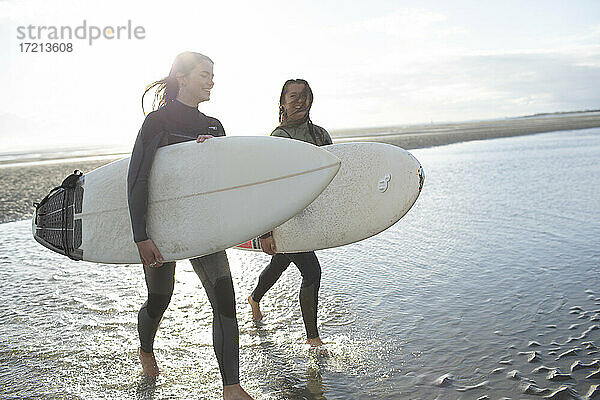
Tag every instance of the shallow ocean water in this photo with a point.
(488, 288)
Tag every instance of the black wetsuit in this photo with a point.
(307, 262)
(176, 123)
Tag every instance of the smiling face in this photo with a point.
(195, 87)
(296, 101)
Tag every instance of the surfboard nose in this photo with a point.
(319, 156)
(304, 159)
(417, 167)
(330, 163)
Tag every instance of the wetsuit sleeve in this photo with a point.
(142, 157)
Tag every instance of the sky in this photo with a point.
(370, 64)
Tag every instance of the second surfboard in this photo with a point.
(376, 186)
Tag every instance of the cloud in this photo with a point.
(404, 36)
(414, 65)
(472, 87)
(406, 23)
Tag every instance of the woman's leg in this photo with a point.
(266, 280)
(270, 275)
(213, 271)
(310, 269)
(160, 282)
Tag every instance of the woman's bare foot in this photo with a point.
(318, 346)
(256, 314)
(315, 342)
(235, 392)
(149, 366)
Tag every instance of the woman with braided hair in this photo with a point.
(176, 120)
(294, 123)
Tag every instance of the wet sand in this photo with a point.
(429, 135)
(26, 184)
(557, 361)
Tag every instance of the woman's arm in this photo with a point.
(145, 147)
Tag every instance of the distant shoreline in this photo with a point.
(28, 179)
(429, 135)
(61, 160)
(407, 137)
(559, 113)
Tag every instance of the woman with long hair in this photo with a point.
(176, 119)
(295, 102)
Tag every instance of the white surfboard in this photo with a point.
(203, 197)
(376, 186)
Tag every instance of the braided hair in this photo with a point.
(167, 88)
(307, 91)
